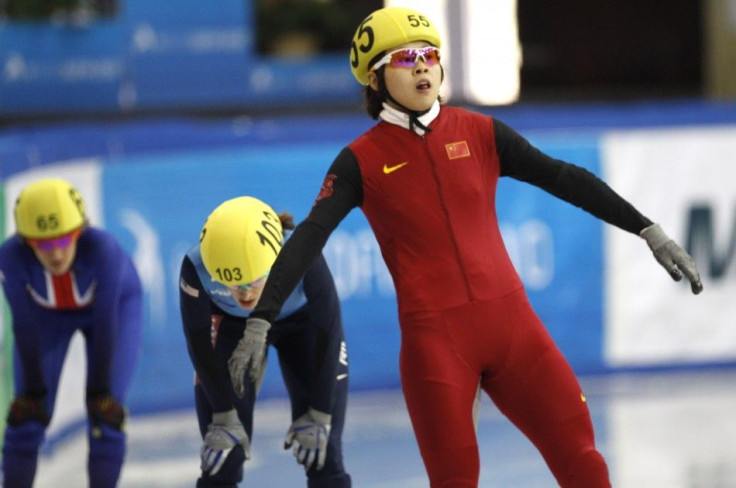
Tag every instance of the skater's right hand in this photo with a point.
(223, 434)
(248, 354)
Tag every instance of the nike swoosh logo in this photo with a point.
(342, 376)
(390, 169)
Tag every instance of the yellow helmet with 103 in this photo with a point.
(240, 240)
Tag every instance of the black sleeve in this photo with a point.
(522, 161)
(196, 316)
(324, 311)
(340, 193)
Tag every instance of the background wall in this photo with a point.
(148, 57)
(129, 57)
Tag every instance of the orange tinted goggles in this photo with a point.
(61, 242)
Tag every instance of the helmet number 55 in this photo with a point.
(417, 20)
(363, 30)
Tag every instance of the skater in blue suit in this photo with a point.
(60, 276)
(221, 282)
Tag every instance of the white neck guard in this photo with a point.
(397, 117)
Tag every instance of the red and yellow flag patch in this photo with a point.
(457, 150)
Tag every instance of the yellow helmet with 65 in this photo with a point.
(49, 208)
(385, 29)
(240, 240)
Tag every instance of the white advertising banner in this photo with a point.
(685, 180)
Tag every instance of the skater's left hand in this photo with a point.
(309, 435)
(672, 257)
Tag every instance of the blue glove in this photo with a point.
(223, 434)
(248, 354)
(672, 257)
(309, 435)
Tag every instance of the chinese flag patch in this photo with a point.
(326, 190)
(457, 150)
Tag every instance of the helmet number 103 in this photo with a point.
(271, 235)
(228, 274)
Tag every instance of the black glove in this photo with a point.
(102, 408)
(28, 407)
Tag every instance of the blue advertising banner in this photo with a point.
(557, 250)
(157, 204)
(152, 55)
(153, 182)
(160, 180)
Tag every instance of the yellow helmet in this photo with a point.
(240, 241)
(49, 208)
(384, 29)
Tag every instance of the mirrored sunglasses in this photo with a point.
(61, 242)
(248, 286)
(408, 57)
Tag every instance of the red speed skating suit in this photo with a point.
(464, 315)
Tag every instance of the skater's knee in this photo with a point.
(229, 475)
(452, 467)
(587, 470)
(323, 480)
(26, 436)
(28, 408)
(106, 442)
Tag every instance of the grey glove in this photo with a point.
(672, 257)
(248, 354)
(309, 435)
(223, 434)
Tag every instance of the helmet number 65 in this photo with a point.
(47, 222)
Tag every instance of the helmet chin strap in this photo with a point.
(413, 114)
